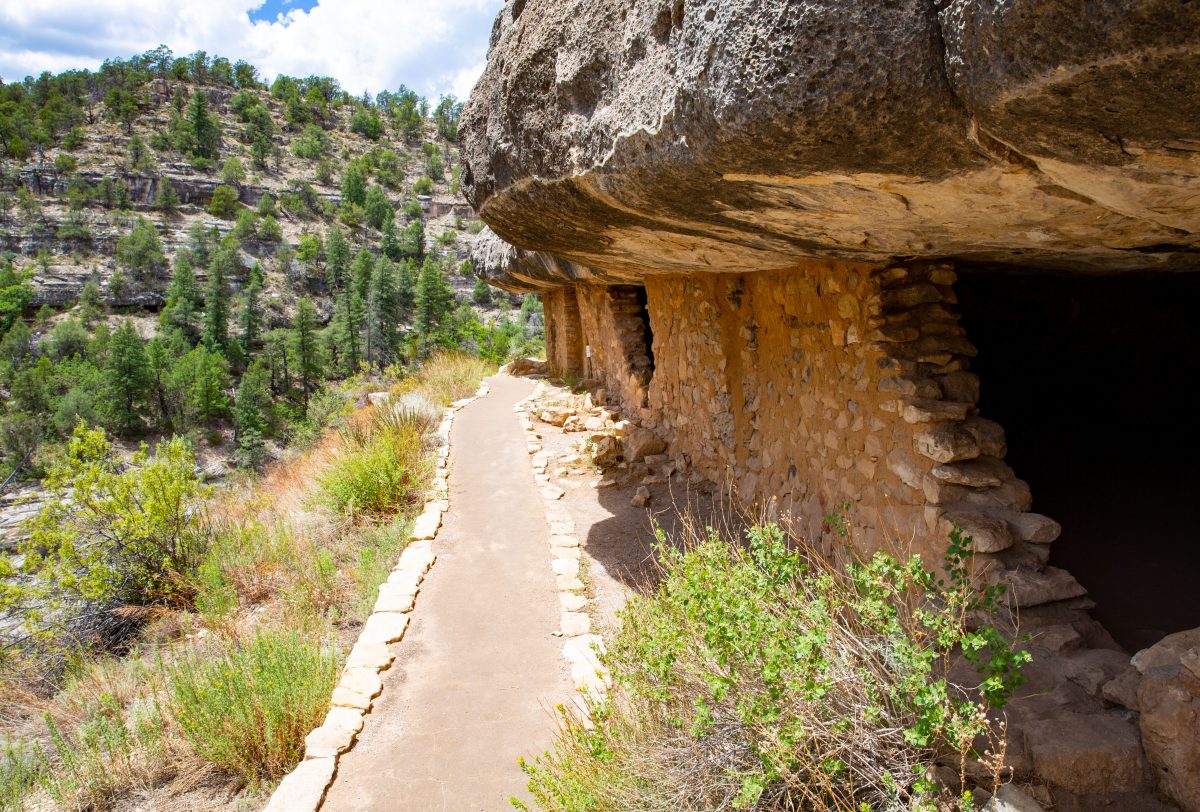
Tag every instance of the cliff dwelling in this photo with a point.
(932, 266)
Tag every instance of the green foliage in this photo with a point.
(366, 123)
(182, 309)
(167, 199)
(15, 292)
(385, 469)
(199, 383)
(140, 251)
(112, 531)
(205, 128)
(812, 686)
(232, 171)
(67, 338)
(312, 144)
(423, 186)
(482, 294)
(248, 710)
(354, 184)
(378, 208)
(224, 203)
(127, 378)
(306, 348)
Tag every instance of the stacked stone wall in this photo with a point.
(564, 332)
(614, 336)
(828, 386)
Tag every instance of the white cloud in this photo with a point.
(433, 46)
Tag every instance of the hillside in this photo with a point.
(122, 191)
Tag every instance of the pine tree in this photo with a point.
(337, 257)
(126, 377)
(205, 128)
(345, 330)
(354, 185)
(275, 353)
(389, 243)
(167, 200)
(250, 323)
(406, 289)
(378, 208)
(251, 404)
(482, 294)
(182, 310)
(216, 304)
(380, 315)
(306, 350)
(434, 301)
(360, 272)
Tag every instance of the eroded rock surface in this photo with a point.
(648, 136)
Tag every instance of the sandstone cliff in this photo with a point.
(649, 136)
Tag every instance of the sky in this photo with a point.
(432, 46)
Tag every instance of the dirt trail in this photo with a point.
(480, 667)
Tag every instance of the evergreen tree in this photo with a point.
(251, 319)
(434, 301)
(389, 243)
(275, 355)
(216, 304)
(354, 184)
(306, 349)
(206, 130)
(482, 294)
(182, 310)
(412, 243)
(378, 208)
(251, 404)
(126, 377)
(337, 257)
(360, 272)
(199, 381)
(381, 321)
(406, 289)
(166, 200)
(345, 330)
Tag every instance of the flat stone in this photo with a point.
(573, 624)
(946, 444)
(384, 627)
(564, 540)
(1009, 798)
(343, 698)
(983, 472)
(400, 602)
(330, 739)
(1123, 690)
(989, 534)
(565, 566)
(933, 411)
(566, 552)
(569, 583)
(1028, 588)
(559, 527)
(402, 582)
(1088, 754)
(571, 602)
(427, 524)
(417, 560)
(552, 492)
(1034, 528)
(303, 789)
(367, 654)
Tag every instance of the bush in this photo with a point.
(768, 678)
(382, 470)
(224, 202)
(248, 710)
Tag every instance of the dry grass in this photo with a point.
(284, 562)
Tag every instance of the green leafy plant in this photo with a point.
(766, 677)
(248, 709)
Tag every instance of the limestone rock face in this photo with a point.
(646, 136)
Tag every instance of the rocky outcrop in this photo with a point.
(652, 137)
(1169, 701)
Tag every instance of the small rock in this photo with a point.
(565, 566)
(1011, 799)
(303, 789)
(573, 624)
(571, 602)
(552, 492)
(641, 497)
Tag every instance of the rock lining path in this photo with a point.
(480, 669)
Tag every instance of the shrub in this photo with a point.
(768, 678)
(248, 710)
(224, 202)
(382, 471)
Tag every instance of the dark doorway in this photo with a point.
(647, 333)
(1095, 382)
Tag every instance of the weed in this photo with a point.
(248, 710)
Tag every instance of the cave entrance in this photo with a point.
(643, 313)
(1093, 379)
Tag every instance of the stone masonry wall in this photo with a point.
(830, 384)
(614, 334)
(564, 333)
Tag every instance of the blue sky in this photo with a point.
(433, 46)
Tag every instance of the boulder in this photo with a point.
(1169, 700)
(640, 443)
(1087, 754)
